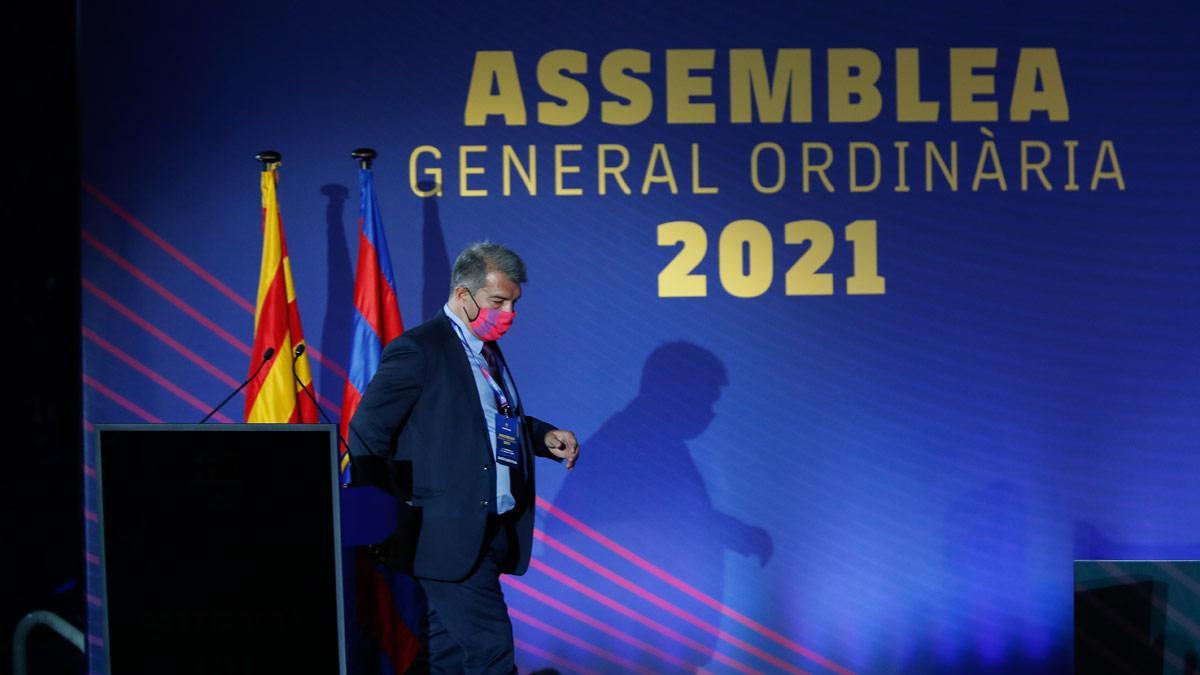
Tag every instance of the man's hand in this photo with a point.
(562, 443)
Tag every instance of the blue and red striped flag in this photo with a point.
(377, 313)
(389, 605)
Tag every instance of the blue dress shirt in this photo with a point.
(487, 400)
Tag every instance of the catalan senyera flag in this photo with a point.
(275, 396)
(389, 605)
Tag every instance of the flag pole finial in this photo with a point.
(364, 156)
(268, 157)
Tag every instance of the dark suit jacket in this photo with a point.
(419, 432)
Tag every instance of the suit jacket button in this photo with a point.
(485, 467)
(483, 502)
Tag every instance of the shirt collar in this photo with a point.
(473, 340)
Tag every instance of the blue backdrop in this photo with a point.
(869, 481)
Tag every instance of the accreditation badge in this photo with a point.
(508, 440)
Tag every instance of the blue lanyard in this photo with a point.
(505, 408)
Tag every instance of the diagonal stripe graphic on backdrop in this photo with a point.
(661, 603)
(577, 642)
(183, 306)
(687, 588)
(559, 661)
(596, 624)
(151, 374)
(196, 268)
(157, 333)
(119, 400)
(175, 253)
(640, 618)
(162, 291)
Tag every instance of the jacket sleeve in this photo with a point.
(538, 430)
(382, 412)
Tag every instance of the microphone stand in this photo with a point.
(296, 354)
(266, 357)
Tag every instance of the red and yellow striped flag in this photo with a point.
(275, 396)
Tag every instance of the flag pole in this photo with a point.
(364, 157)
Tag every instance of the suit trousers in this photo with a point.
(468, 627)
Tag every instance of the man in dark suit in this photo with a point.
(441, 425)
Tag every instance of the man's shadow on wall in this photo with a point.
(640, 486)
(435, 257)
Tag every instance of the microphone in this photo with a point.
(266, 357)
(296, 354)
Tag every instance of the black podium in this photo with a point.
(221, 548)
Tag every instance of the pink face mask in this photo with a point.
(490, 324)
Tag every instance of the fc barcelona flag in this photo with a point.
(389, 605)
(274, 396)
(377, 314)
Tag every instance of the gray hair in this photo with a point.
(473, 264)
